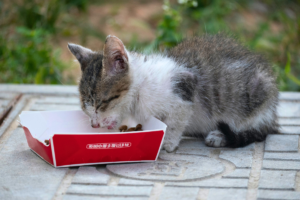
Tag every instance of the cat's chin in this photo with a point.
(110, 127)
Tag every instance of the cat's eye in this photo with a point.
(106, 102)
(110, 99)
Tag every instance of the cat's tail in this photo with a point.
(244, 138)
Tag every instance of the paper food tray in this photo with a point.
(73, 142)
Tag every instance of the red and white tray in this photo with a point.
(73, 142)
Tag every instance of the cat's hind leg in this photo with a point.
(224, 136)
(215, 139)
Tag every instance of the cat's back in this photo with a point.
(217, 52)
(208, 47)
(216, 56)
(231, 78)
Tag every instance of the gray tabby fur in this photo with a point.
(208, 86)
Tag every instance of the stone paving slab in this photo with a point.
(282, 143)
(48, 107)
(12, 115)
(5, 101)
(179, 193)
(282, 156)
(7, 95)
(23, 174)
(278, 195)
(218, 183)
(172, 168)
(289, 96)
(76, 197)
(289, 121)
(288, 109)
(278, 164)
(227, 194)
(238, 173)
(125, 181)
(198, 144)
(90, 175)
(140, 191)
(39, 89)
(267, 170)
(282, 180)
(67, 100)
(241, 159)
(290, 129)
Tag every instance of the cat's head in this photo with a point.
(104, 82)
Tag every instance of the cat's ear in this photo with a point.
(115, 58)
(81, 53)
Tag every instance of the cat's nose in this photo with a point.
(96, 125)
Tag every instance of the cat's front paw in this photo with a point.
(169, 147)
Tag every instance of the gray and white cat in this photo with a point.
(209, 86)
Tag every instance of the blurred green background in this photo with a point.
(34, 34)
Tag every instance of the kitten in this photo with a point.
(209, 86)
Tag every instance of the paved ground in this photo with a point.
(267, 170)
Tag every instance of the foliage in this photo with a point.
(168, 29)
(275, 29)
(26, 54)
(45, 14)
(30, 59)
(39, 15)
(28, 29)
